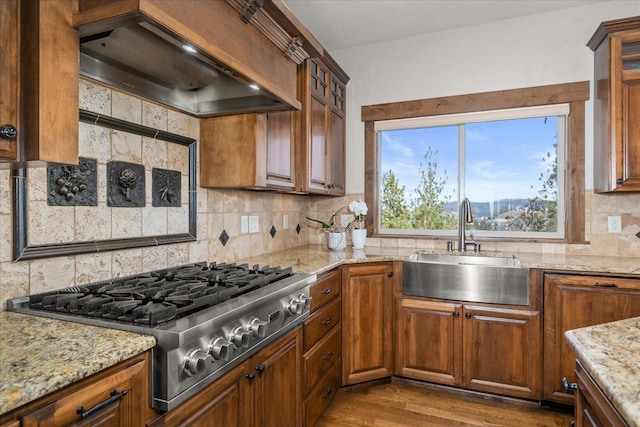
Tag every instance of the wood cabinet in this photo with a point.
(574, 301)
(248, 151)
(321, 361)
(39, 68)
(592, 407)
(616, 46)
(322, 128)
(367, 322)
(117, 396)
(480, 347)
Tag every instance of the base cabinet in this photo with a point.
(592, 408)
(367, 322)
(117, 396)
(479, 347)
(263, 391)
(576, 301)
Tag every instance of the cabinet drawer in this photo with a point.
(108, 401)
(320, 323)
(325, 289)
(321, 357)
(599, 283)
(321, 395)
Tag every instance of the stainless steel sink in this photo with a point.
(473, 278)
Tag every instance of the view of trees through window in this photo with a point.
(507, 168)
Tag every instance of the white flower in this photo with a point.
(359, 208)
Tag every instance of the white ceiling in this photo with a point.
(341, 24)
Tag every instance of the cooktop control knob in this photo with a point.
(295, 306)
(305, 300)
(221, 349)
(258, 327)
(240, 337)
(196, 361)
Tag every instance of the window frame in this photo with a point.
(575, 94)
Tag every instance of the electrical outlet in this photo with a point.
(244, 224)
(285, 222)
(345, 220)
(254, 224)
(615, 224)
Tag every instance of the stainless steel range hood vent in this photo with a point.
(144, 60)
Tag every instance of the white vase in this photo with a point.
(337, 241)
(358, 238)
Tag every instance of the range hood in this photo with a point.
(143, 59)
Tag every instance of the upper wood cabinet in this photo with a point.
(322, 128)
(575, 301)
(617, 105)
(39, 85)
(248, 151)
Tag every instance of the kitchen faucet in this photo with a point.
(465, 217)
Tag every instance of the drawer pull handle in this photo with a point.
(115, 396)
(606, 285)
(327, 393)
(326, 321)
(327, 291)
(328, 356)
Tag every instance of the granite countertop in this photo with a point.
(40, 355)
(609, 353)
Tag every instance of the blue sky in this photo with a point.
(503, 158)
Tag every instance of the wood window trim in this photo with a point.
(575, 94)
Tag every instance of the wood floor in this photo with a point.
(404, 403)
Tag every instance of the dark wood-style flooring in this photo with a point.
(403, 403)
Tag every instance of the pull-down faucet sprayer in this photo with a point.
(464, 217)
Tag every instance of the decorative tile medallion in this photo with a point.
(224, 237)
(73, 185)
(273, 231)
(298, 228)
(125, 184)
(165, 186)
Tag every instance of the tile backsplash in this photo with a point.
(218, 211)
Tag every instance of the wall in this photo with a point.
(216, 211)
(529, 51)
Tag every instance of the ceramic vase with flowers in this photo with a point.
(358, 232)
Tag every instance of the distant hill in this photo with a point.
(483, 209)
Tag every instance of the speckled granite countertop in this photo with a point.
(40, 355)
(610, 353)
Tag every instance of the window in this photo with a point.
(452, 123)
(504, 161)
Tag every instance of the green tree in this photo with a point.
(394, 212)
(542, 213)
(428, 206)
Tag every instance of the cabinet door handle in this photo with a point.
(250, 377)
(467, 315)
(456, 314)
(619, 181)
(390, 274)
(328, 356)
(327, 291)
(326, 321)
(114, 397)
(8, 132)
(567, 386)
(260, 368)
(327, 393)
(606, 285)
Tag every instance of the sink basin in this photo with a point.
(472, 278)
